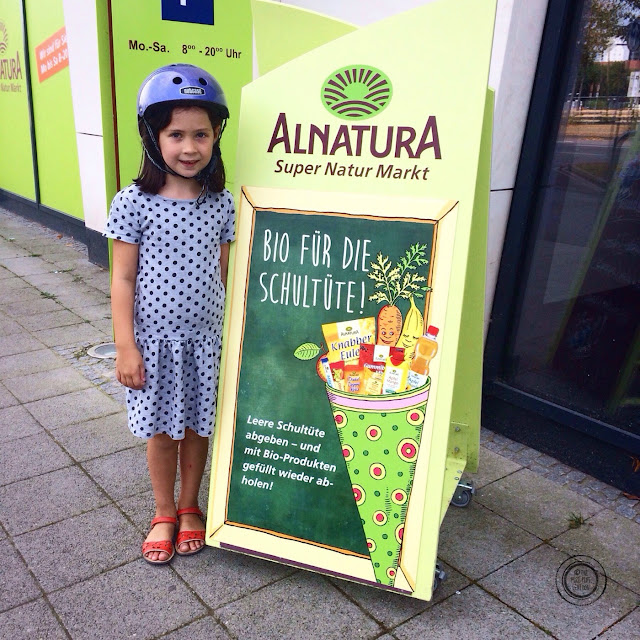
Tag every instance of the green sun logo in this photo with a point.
(356, 92)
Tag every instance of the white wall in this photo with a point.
(82, 37)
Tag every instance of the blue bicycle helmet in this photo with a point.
(175, 83)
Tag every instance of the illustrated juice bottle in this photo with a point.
(426, 349)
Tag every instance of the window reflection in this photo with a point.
(577, 338)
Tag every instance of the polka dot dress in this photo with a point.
(179, 304)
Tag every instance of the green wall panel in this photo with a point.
(16, 160)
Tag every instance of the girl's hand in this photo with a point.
(130, 367)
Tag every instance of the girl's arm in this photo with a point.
(224, 262)
(129, 364)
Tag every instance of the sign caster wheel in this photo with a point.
(439, 576)
(463, 494)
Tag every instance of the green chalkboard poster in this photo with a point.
(317, 259)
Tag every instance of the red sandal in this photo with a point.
(190, 536)
(160, 545)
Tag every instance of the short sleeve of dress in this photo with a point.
(124, 222)
(228, 233)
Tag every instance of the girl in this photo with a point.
(171, 231)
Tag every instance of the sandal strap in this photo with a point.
(160, 519)
(195, 510)
(189, 536)
(158, 545)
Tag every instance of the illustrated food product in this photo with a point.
(395, 374)
(352, 378)
(344, 338)
(380, 439)
(411, 330)
(426, 349)
(336, 369)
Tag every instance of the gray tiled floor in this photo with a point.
(75, 503)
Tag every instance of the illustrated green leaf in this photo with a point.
(307, 351)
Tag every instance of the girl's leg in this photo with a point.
(162, 458)
(193, 458)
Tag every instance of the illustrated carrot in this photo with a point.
(396, 282)
(388, 325)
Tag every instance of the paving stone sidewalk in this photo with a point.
(75, 502)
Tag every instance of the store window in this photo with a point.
(575, 337)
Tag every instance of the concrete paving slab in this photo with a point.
(204, 629)
(74, 334)
(105, 327)
(536, 504)
(32, 305)
(12, 284)
(17, 422)
(219, 577)
(10, 250)
(296, 607)
(97, 312)
(58, 562)
(8, 326)
(80, 297)
(476, 541)
(23, 266)
(31, 621)
(15, 296)
(70, 408)
(625, 629)
(30, 456)
(51, 320)
(138, 600)
(121, 474)
(97, 438)
(45, 384)
(18, 343)
(16, 583)
(492, 467)
(7, 399)
(472, 615)
(51, 281)
(613, 541)
(49, 498)
(23, 364)
(140, 509)
(529, 585)
(392, 609)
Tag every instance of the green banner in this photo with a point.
(147, 34)
(16, 168)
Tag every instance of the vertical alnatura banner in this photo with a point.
(356, 187)
(147, 34)
(16, 168)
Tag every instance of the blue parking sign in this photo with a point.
(200, 11)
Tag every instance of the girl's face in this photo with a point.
(186, 143)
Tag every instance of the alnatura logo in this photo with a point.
(4, 39)
(356, 92)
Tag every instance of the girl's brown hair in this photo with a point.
(150, 178)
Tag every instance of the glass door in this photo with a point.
(571, 335)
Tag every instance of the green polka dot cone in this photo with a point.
(380, 438)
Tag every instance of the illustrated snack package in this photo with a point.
(380, 438)
(380, 352)
(344, 338)
(337, 374)
(352, 378)
(395, 374)
(372, 371)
